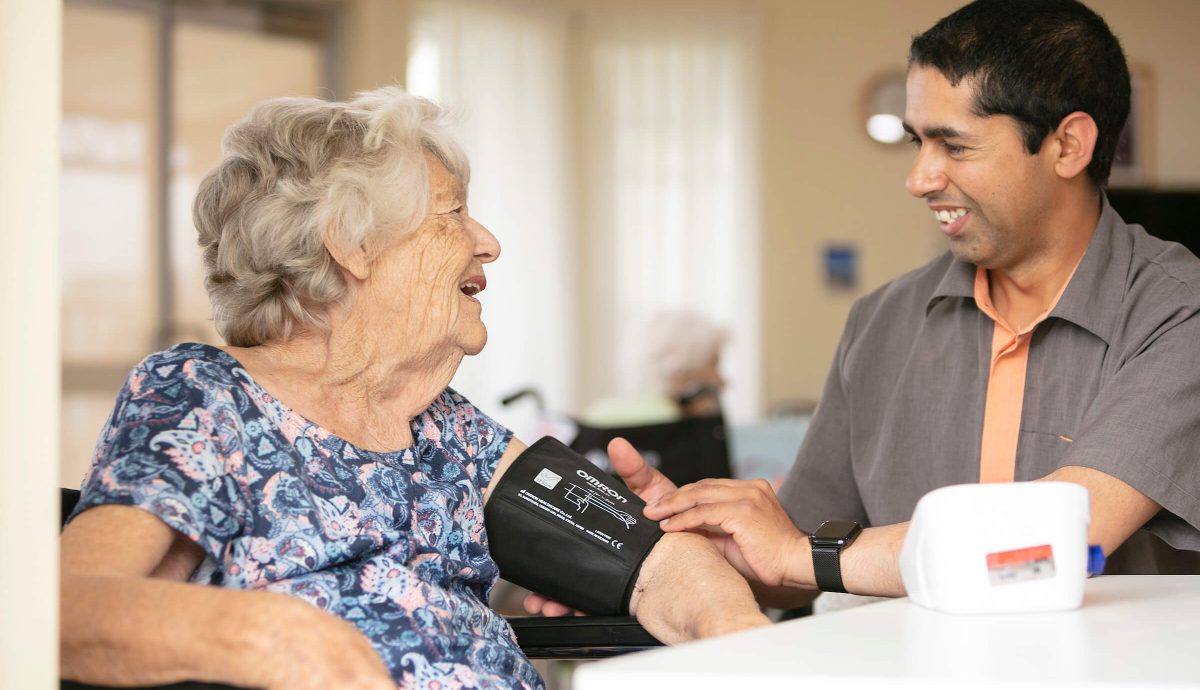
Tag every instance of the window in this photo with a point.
(137, 75)
(615, 157)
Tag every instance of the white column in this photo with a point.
(30, 75)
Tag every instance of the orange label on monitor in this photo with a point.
(1020, 565)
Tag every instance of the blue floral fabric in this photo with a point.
(392, 542)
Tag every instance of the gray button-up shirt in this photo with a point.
(1113, 383)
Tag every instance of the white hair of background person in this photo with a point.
(680, 344)
(347, 172)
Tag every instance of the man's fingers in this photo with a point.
(702, 492)
(629, 464)
(645, 481)
(706, 516)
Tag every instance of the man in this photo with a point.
(1052, 341)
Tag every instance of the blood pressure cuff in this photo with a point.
(560, 526)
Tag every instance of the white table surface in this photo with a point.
(1131, 632)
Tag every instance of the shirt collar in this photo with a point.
(1093, 298)
(1094, 294)
(957, 281)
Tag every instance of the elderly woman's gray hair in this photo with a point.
(296, 172)
(679, 343)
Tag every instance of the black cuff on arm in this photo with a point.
(558, 525)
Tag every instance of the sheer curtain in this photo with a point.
(672, 173)
(500, 68)
(614, 154)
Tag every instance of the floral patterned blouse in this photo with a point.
(392, 542)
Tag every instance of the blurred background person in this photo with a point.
(682, 363)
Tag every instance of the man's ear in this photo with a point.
(1076, 139)
(353, 260)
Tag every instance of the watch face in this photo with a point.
(836, 532)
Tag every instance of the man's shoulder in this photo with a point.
(1162, 266)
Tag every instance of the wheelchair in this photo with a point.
(685, 450)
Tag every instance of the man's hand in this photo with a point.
(743, 519)
(648, 483)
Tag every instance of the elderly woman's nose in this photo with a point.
(487, 247)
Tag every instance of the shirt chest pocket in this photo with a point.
(1039, 453)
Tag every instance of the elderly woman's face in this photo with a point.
(428, 278)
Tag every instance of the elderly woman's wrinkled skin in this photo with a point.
(401, 334)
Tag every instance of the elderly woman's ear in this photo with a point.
(352, 260)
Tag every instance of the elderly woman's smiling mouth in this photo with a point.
(473, 286)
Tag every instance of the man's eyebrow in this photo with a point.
(939, 132)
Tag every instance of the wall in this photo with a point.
(1161, 36)
(825, 181)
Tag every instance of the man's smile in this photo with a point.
(951, 219)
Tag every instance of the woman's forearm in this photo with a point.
(147, 631)
(143, 631)
(686, 591)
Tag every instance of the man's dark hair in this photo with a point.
(1036, 61)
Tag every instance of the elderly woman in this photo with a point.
(303, 508)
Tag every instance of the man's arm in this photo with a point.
(1118, 509)
(685, 590)
(1135, 454)
(761, 541)
(778, 555)
(1137, 446)
(129, 618)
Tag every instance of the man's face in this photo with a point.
(989, 194)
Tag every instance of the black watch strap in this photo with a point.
(827, 567)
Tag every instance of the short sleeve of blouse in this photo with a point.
(172, 448)
(481, 439)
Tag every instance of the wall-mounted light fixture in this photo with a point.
(884, 114)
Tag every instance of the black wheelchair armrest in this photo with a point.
(580, 637)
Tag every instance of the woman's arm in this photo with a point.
(685, 589)
(128, 617)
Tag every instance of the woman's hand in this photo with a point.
(686, 591)
(537, 604)
(306, 648)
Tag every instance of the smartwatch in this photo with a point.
(827, 544)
